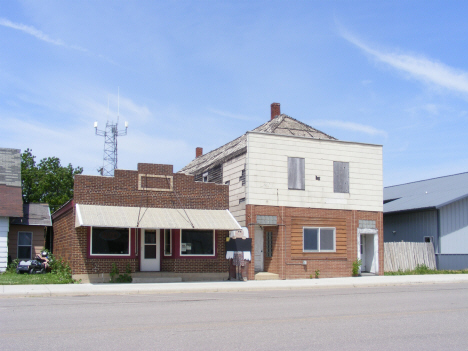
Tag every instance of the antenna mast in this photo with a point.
(110, 134)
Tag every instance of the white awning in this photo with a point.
(144, 217)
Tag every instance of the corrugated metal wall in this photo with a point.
(454, 228)
(452, 261)
(411, 226)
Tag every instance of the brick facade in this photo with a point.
(288, 262)
(164, 189)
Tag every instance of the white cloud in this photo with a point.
(355, 127)
(418, 67)
(37, 34)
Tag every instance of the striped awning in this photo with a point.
(153, 218)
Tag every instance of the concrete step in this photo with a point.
(266, 276)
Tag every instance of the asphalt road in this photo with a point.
(423, 317)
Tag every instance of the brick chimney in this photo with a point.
(275, 109)
(198, 152)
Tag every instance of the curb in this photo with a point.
(15, 291)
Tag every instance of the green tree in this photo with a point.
(48, 181)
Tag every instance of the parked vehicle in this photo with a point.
(36, 266)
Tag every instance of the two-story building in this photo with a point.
(310, 202)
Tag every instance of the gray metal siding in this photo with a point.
(452, 261)
(454, 227)
(411, 226)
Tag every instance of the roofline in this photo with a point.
(316, 139)
(451, 201)
(411, 210)
(424, 180)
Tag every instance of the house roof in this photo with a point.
(34, 214)
(10, 167)
(281, 124)
(424, 194)
(11, 198)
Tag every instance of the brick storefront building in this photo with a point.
(151, 219)
(310, 202)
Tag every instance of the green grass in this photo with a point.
(60, 274)
(423, 269)
(9, 278)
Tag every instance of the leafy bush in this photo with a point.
(356, 265)
(115, 277)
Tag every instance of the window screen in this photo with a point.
(296, 173)
(24, 245)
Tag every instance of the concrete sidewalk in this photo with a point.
(224, 286)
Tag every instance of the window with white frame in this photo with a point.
(319, 239)
(167, 242)
(197, 242)
(110, 241)
(25, 245)
(296, 173)
(269, 244)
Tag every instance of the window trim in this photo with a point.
(18, 245)
(96, 255)
(197, 255)
(170, 242)
(318, 239)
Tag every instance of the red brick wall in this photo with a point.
(72, 244)
(122, 190)
(290, 266)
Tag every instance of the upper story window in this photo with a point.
(205, 177)
(341, 177)
(242, 177)
(296, 173)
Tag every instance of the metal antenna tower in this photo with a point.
(110, 134)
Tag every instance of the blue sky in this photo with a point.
(202, 73)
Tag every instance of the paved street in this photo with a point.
(422, 317)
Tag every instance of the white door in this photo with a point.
(150, 251)
(258, 243)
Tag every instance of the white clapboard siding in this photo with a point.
(408, 255)
(267, 170)
(232, 170)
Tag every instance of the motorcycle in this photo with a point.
(35, 266)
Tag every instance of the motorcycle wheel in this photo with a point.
(32, 271)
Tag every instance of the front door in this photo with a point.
(258, 243)
(363, 253)
(150, 253)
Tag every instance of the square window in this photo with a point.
(319, 239)
(197, 242)
(112, 241)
